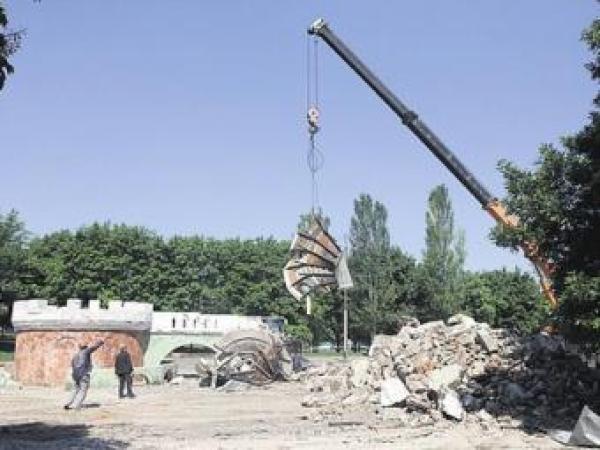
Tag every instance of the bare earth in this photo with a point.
(186, 417)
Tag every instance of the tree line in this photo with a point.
(236, 276)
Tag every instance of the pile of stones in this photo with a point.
(460, 370)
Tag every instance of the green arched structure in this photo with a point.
(161, 344)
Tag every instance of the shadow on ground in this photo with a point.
(41, 435)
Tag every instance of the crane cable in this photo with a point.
(315, 158)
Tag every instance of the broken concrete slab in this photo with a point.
(430, 326)
(447, 376)
(586, 432)
(360, 369)
(393, 392)
(487, 341)
(381, 344)
(451, 405)
(461, 319)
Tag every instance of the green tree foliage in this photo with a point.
(242, 276)
(383, 275)
(444, 256)
(559, 206)
(504, 298)
(9, 43)
(99, 261)
(13, 263)
(13, 239)
(368, 227)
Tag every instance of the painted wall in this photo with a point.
(44, 357)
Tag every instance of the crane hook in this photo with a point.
(312, 116)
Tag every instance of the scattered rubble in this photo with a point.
(255, 357)
(460, 370)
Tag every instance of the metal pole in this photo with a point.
(346, 307)
(345, 323)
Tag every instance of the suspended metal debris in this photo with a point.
(318, 264)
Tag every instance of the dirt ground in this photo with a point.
(186, 417)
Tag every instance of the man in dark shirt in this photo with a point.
(81, 366)
(124, 369)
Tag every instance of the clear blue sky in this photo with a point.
(187, 117)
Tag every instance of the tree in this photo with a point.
(444, 255)
(368, 227)
(13, 240)
(9, 44)
(558, 203)
(379, 270)
(504, 298)
(103, 261)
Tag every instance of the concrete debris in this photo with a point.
(177, 381)
(360, 372)
(585, 434)
(461, 319)
(447, 376)
(234, 386)
(357, 397)
(451, 405)
(487, 341)
(484, 416)
(393, 392)
(460, 370)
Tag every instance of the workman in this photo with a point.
(81, 366)
(124, 369)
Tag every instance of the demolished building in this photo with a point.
(47, 337)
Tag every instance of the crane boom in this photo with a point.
(412, 121)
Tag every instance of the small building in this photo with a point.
(47, 336)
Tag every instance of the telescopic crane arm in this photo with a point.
(412, 121)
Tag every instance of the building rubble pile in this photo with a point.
(460, 371)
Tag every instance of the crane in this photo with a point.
(411, 120)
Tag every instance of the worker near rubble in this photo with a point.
(124, 369)
(81, 366)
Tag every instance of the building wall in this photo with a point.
(44, 357)
(48, 336)
(197, 323)
(37, 314)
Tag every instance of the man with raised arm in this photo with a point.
(81, 365)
